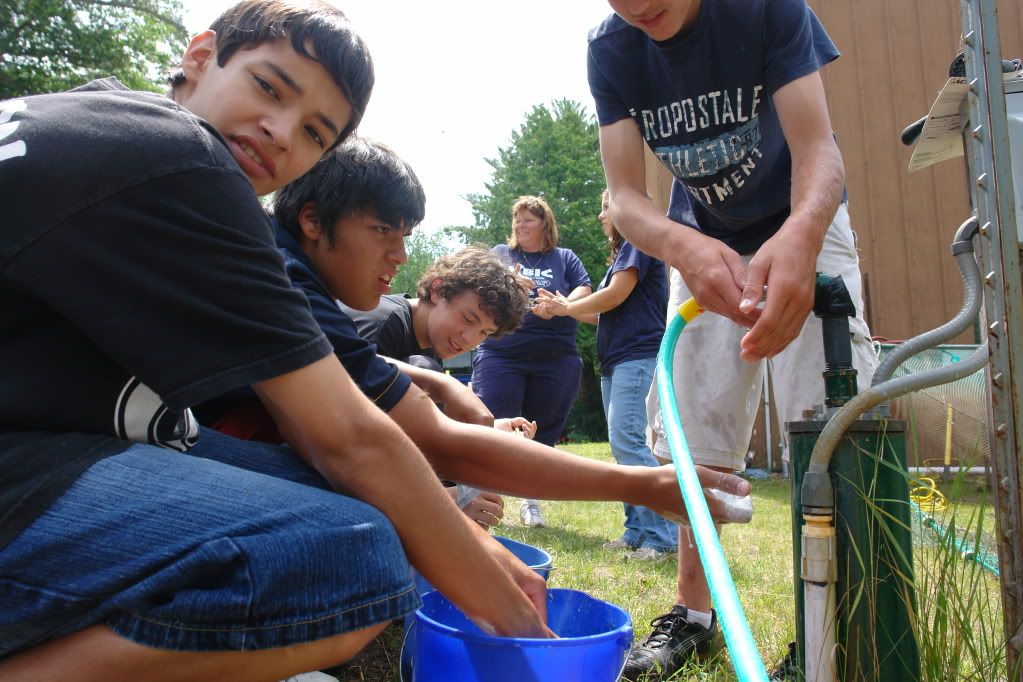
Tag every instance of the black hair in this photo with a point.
(311, 23)
(359, 175)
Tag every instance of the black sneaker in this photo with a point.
(673, 641)
(788, 669)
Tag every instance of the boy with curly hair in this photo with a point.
(463, 298)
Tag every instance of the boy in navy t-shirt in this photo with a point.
(727, 95)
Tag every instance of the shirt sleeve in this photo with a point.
(176, 278)
(391, 336)
(629, 257)
(795, 43)
(380, 381)
(575, 273)
(609, 106)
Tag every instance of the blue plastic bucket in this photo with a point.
(534, 557)
(595, 637)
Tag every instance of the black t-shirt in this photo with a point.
(138, 277)
(389, 326)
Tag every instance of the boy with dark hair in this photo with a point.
(352, 256)
(130, 548)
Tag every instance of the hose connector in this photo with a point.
(819, 549)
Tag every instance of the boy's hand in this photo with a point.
(787, 264)
(526, 427)
(669, 496)
(533, 587)
(486, 509)
(715, 275)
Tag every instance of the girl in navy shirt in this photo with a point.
(628, 310)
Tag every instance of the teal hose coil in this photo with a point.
(745, 658)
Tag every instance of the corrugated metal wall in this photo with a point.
(895, 56)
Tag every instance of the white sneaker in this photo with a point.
(649, 554)
(531, 514)
(312, 677)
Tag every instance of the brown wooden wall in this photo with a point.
(895, 56)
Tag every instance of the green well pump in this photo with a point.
(852, 537)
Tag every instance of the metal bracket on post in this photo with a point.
(988, 155)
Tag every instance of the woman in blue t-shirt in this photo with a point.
(628, 310)
(535, 372)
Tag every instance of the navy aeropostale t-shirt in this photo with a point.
(633, 330)
(558, 270)
(703, 103)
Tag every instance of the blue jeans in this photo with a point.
(182, 551)
(624, 393)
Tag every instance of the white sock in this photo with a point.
(699, 617)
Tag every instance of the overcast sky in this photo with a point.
(454, 78)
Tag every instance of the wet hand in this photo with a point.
(486, 509)
(715, 275)
(786, 264)
(534, 589)
(709, 479)
(555, 304)
(517, 424)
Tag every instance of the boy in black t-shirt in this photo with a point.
(130, 548)
(462, 299)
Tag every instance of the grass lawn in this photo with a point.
(760, 556)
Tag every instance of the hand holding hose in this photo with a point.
(785, 266)
(715, 275)
(710, 479)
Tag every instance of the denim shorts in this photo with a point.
(182, 551)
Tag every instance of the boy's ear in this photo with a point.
(435, 290)
(200, 55)
(309, 222)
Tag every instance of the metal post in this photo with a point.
(991, 175)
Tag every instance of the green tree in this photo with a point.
(52, 45)
(422, 249)
(555, 153)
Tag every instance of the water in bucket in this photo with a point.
(595, 637)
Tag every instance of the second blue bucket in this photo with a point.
(595, 637)
(534, 557)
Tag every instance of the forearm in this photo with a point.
(580, 293)
(597, 302)
(363, 453)
(818, 182)
(645, 227)
(431, 382)
(507, 463)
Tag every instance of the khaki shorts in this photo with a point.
(718, 394)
